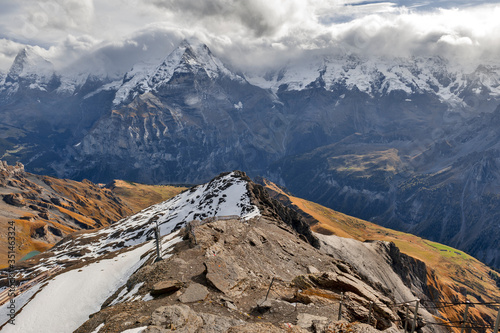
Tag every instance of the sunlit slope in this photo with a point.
(453, 276)
(139, 196)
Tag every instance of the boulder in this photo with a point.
(165, 287)
(178, 318)
(222, 274)
(215, 324)
(306, 320)
(194, 293)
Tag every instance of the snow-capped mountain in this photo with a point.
(370, 126)
(189, 57)
(381, 76)
(30, 69)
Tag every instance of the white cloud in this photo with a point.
(249, 34)
(8, 51)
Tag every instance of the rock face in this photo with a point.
(403, 275)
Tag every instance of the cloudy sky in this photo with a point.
(114, 34)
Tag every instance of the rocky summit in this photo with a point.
(232, 260)
(409, 143)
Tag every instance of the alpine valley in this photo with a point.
(411, 143)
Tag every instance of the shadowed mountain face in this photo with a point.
(407, 143)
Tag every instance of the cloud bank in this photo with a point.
(114, 34)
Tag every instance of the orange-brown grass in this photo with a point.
(139, 196)
(78, 217)
(450, 271)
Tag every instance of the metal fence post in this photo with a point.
(340, 306)
(370, 314)
(465, 317)
(158, 245)
(406, 315)
(270, 286)
(415, 314)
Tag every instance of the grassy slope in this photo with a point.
(139, 196)
(452, 272)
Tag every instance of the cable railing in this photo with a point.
(409, 323)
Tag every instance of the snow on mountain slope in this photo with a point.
(223, 196)
(379, 76)
(189, 57)
(68, 299)
(78, 292)
(29, 65)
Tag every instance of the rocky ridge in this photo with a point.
(214, 276)
(46, 209)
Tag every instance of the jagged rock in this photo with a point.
(178, 318)
(164, 287)
(360, 294)
(306, 320)
(14, 199)
(194, 293)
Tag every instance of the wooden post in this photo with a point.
(415, 315)
(340, 305)
(406, 315)
(465, 317)
(370, 313)
(497, 323)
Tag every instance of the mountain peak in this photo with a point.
(191, 56)
(30, 63)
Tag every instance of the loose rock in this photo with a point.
(165, 287)
(194, 293)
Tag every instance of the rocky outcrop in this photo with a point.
(272, 208)
(250, 276)
(412, 272)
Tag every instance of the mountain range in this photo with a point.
(407, 143)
